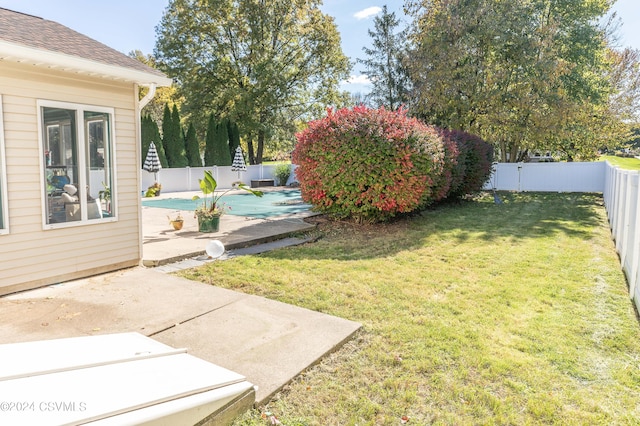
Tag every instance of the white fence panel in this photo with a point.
(629, 255)
(186, 179)
(548, 177)
(505, 177)
(622, 200)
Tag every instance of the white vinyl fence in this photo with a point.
(621, 193)
(622, 201)
(548, 177)
(186, 179)
(620, 188)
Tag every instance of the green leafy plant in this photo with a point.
(105, 193)
(153, 190)
(282, 173)
(212, 205)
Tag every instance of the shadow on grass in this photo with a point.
(519, 216)
(522, 215)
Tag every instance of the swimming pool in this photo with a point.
(272, 203)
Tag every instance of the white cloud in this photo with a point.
(358, 79)
(367, 13)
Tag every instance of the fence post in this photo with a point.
(616, 204)
(622, 191)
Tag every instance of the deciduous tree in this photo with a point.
(509, 71)
(163, 95)
(252, 62)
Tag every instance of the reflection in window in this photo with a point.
(77, 146)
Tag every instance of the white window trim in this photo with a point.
(80, 134)
(3, 176)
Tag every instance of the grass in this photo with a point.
(473, 313)
(622, 162)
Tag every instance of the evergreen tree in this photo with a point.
(168, 138)
(209, 149)
(151, 133)
(192, 147)
(180, 155)
(384, 65)
(172, 139)
(221, 145)
(234, 138)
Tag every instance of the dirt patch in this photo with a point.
(345, 228)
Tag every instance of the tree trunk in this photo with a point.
(260, 146)
(252, 158)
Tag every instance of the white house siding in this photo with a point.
(31, 256)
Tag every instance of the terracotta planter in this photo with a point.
(177, 224)
(208, 223)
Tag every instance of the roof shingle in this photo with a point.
(34, 32)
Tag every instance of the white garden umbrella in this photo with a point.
(152, 161)
(238, 164)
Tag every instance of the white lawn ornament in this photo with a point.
(214, 249)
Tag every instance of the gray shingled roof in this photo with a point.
(34, 32)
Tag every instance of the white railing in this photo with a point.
(186, 179)
(621, 198)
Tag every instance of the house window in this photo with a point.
(4, 206)
(77, 149)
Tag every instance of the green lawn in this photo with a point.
(473, 313)
(623, 163)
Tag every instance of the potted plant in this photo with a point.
(209, 212)
(177, 222)
(282, 173)
(153, 190)
(105, 197)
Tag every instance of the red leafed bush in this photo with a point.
(473, 166)
(368, 164)
(371, 164)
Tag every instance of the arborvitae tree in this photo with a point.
(168, 138)
(222, 156)
(193, 147)
(209, 149)
(151, 133)
(234, 137)
(172, 138)
(180, 157)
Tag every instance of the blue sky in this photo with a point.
(127, 25)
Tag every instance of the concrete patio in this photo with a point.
(268, 342)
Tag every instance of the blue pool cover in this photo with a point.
(273, 203)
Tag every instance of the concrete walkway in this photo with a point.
(267, 341)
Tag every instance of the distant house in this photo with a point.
(69, 154)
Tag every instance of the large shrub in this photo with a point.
(368, 164)
(474, 161)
